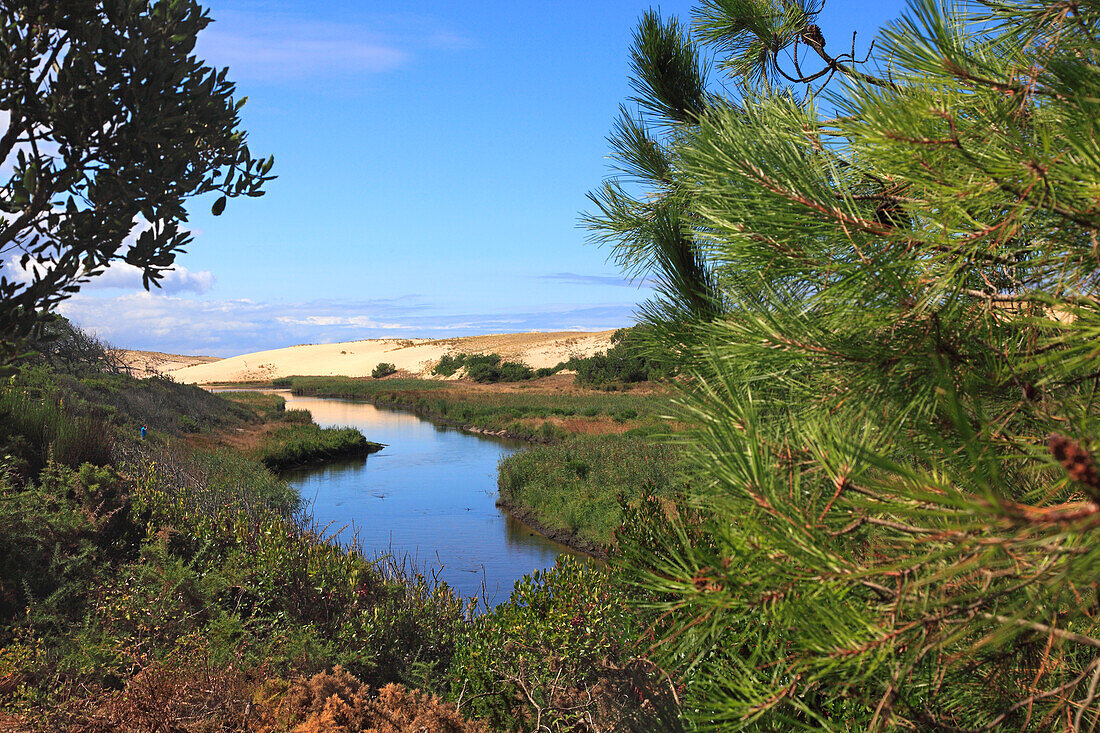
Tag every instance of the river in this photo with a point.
(429, 496)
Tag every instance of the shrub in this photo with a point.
(630, 359)
(383, 369)
(337, 698)
(449, 364)
(512, 371)
(557, 655)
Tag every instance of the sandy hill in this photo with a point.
(416, 356)
(148, 363)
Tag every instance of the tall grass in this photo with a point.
(52, 427)
(578, 486)
(301, 443)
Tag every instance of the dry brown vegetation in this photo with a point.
(337, 702)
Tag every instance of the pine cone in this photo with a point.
(1077, 461)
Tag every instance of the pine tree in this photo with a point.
(884, 291)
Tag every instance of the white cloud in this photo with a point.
(123, 276)
(168, 323)
(279, 52)
(178, 280)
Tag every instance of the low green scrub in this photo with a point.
(170, 554)
(383, 369)
(301, 443)
(579, 486)
(560, 655)
(629, 360)
(484, 368)
(172, 574)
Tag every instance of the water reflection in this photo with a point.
(430, 494)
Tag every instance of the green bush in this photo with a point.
(485, 368)
(629, 360)
(564, 636)
(383, 369)
(449, 364)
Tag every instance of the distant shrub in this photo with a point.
(550, 371)
(282, 382)
(485, 368)
(629, 360)
(384, 369)
(513, 371)
(449, 364)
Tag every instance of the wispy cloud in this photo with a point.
(574, 278)
(271, 46)
(169, 323)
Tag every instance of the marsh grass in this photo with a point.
(579, 485)
(36, 414)
(297, 444)
(513, 411)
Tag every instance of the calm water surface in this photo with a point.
(430, 494)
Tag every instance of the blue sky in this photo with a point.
(432, 161)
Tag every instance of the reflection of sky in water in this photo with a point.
(429, 494)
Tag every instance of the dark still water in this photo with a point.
(430, 494)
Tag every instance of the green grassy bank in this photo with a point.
(293, 439)
(574, 491)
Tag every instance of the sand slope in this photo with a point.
(148, 363)
(415, 356)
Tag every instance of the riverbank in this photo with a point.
(540, 410)
(592, 450)
(284, 439)
(172, 579)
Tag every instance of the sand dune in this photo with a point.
(148, 363)
(414, 356)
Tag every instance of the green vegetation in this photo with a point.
(383, 369)
(91, 146)
(564, 640)
(181, 557)
(298, 444)
(528, 415)
(173, 583)
(575, 490)
(626, 362)
(485, 368)
(293, 439)
(884, 304)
